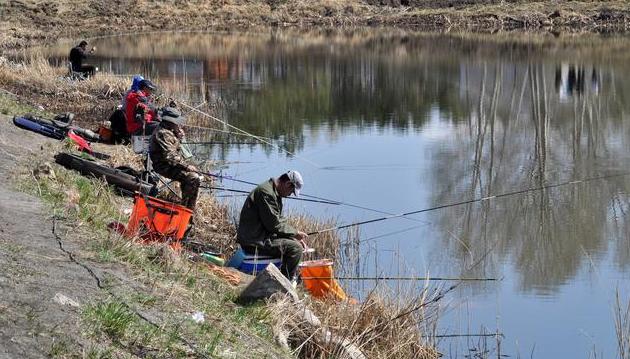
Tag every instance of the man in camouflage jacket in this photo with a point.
(167, 160)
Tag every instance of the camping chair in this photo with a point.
(140, 145)
(75, 75)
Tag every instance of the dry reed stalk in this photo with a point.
(622, 326)
(122, 156)
(213, 225)
(326, 244)
(370, 326)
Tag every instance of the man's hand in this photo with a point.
(93, 49)
(301, 237)
(192, 168)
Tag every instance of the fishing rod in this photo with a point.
(230, 178)
(206, 128)
(218, 143)
(247, 192)
(250, 134)
(411, 278)
(465, 335)
(480, 199)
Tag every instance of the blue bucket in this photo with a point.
(252, 264)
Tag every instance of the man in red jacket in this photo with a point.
(140, 111)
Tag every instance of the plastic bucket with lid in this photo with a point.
(319, 279)
(153, 219)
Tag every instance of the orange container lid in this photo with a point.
(317, 263)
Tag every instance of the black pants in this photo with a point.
(288, 249)
(87, 70)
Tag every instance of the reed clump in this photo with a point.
(380, 327)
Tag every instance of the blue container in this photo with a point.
(252, 264)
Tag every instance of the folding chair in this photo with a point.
(75, 75)
(140, 145)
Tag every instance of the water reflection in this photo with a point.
(572, 79)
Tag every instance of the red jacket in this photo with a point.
(138, 101)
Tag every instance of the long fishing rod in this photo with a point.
(480, 199)
(218, 143)
(465, 335)
(206, 128)
(249, 134)
(411, 278)
(331, 201)
(247, 192)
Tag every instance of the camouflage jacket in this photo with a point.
(164, 151)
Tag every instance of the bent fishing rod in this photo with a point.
(474, 200)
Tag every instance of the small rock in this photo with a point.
(63, 300)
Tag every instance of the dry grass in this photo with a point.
(37, 82)
(326, 244)
(382, 326)
(27, 22)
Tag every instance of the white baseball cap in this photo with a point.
(296, 179)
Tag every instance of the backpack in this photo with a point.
(119, 127)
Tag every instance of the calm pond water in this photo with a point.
(399, 122)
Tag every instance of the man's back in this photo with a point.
(76, 58)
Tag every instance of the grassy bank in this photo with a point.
(28, 22)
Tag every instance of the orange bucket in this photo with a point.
(153, 219)
(319, 279)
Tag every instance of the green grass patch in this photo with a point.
(112, 317)
(11, 106)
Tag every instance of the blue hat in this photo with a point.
(135, 82)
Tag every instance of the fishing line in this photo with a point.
(445, 279)
(250, 134)
(219, 143)
(247, 192)
(487, 198)
(330, 201)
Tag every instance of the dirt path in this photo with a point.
(37, 275)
